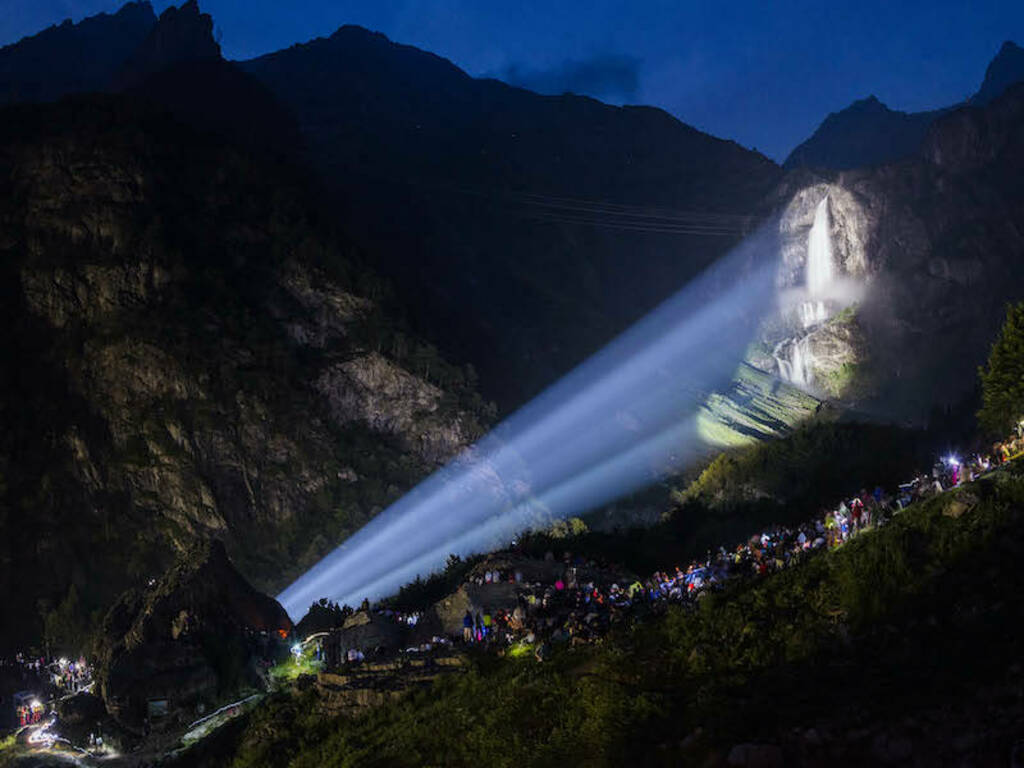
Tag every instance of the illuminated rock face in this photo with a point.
(926, 253)
(823, 273)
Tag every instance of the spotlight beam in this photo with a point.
(576, 445)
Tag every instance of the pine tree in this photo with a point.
(1002, 382)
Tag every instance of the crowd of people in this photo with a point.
(572, 610)
(32, 681)
(573, 600)
(30, 713)
(71, 677)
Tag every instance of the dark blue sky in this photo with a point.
(762, 73)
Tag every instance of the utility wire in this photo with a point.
(600, 213)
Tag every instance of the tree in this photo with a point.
(1002, 382)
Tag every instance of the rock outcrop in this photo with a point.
(180, 35)
(187, 642)
(1003, 71)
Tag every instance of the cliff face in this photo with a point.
(186, 355)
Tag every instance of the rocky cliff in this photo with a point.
(188, 353)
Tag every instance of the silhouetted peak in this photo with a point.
(355, 32)
(72, 58)
(870, 105)
(865, 133)
(1003, 71)
(182, 34)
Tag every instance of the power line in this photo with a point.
(602, 213)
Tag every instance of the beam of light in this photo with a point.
(621, 420)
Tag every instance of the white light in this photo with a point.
(620, 421)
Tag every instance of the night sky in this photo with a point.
(764, 74)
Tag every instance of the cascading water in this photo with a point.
(794, 356)
(814, 311)
(819, 253)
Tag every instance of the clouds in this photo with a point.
(609, 77)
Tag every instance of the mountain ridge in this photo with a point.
(868, 133)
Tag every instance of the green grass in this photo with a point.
(755, 407)
(292, 668)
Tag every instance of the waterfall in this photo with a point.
(794, 357)
(819, 253)
(813, 313)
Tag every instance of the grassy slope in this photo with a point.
(913, 616)
(757, 406)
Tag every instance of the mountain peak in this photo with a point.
(73, 58)
(1003, 71)
(867, 132)
(181, 34)
(870, 104)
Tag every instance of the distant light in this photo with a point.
(952, 461)
(297, 650)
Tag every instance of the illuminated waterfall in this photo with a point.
(794, 356)
(819, 268)
(819, 253)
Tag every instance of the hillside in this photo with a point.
(512, 224)
(188, 353)
(897, 647)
